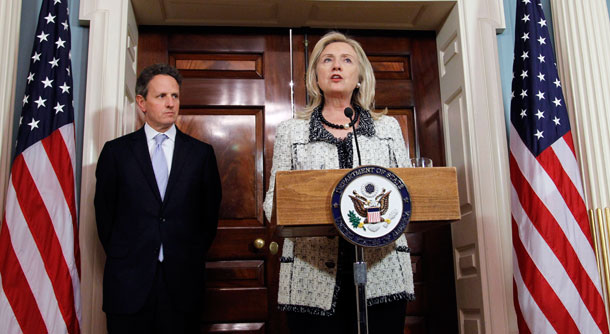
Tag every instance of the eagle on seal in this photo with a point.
(363, 205)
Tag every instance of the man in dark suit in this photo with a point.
(156, 204)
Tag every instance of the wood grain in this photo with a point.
(241, 328)
(229, 274)
(303, 197)
(215, 65)
(236, 243)
(427, 99)
(406, 119)
(235, 305)
(238, 147)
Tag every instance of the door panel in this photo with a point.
(389, 98)
(427, 99)
(226, 274)
(235, 305)
(235, 92)
(469, 269)
(391, 67)
(405, 118)
(237, 140)
(219, 65)
(223, 92)
(237, 242)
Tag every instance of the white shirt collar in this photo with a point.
(151, 133)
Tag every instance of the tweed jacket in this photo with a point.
(308, 276)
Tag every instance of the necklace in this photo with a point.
(340, 126)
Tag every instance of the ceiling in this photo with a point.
(401, 15)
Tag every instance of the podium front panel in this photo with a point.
(303, 197)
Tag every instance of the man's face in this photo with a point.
(162, 103)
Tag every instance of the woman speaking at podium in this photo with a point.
(316, 285)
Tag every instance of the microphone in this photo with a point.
(349, 113)
(359, 264)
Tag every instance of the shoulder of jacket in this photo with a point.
(293, 125)
(195, 144)
(386, 122)
(123, 139)
(294, 122)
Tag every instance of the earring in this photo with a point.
(358, 85)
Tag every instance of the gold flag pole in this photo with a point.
(603, 237)
(594, 229)
(607, 225)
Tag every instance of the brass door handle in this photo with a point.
(273, 247)
(259, 243)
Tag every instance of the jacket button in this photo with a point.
(162, 220)
(330, 264)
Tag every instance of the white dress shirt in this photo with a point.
(168, 150)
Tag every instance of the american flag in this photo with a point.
(39, 253)
(556, 282)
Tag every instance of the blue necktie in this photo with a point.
(161, 173)
(160, 164)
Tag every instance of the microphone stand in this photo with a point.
(359, 264)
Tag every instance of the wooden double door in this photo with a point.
(239, 84)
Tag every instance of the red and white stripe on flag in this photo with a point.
(556, 281)
(39, 252)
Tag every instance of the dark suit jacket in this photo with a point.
(132, 221)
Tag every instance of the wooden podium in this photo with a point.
(302, 199)
(303, 208)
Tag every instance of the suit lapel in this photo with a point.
(142, 155)
(181, 148)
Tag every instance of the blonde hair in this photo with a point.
(364, 96)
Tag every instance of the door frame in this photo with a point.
(10, 13)
(483, 169)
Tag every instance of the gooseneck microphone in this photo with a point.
(359, 263)
(349, 113)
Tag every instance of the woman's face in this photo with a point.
(338, 70)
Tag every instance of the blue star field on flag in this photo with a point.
(47, 102)
(537, 109)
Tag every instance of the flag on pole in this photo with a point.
(39, 253)
(556, 282)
